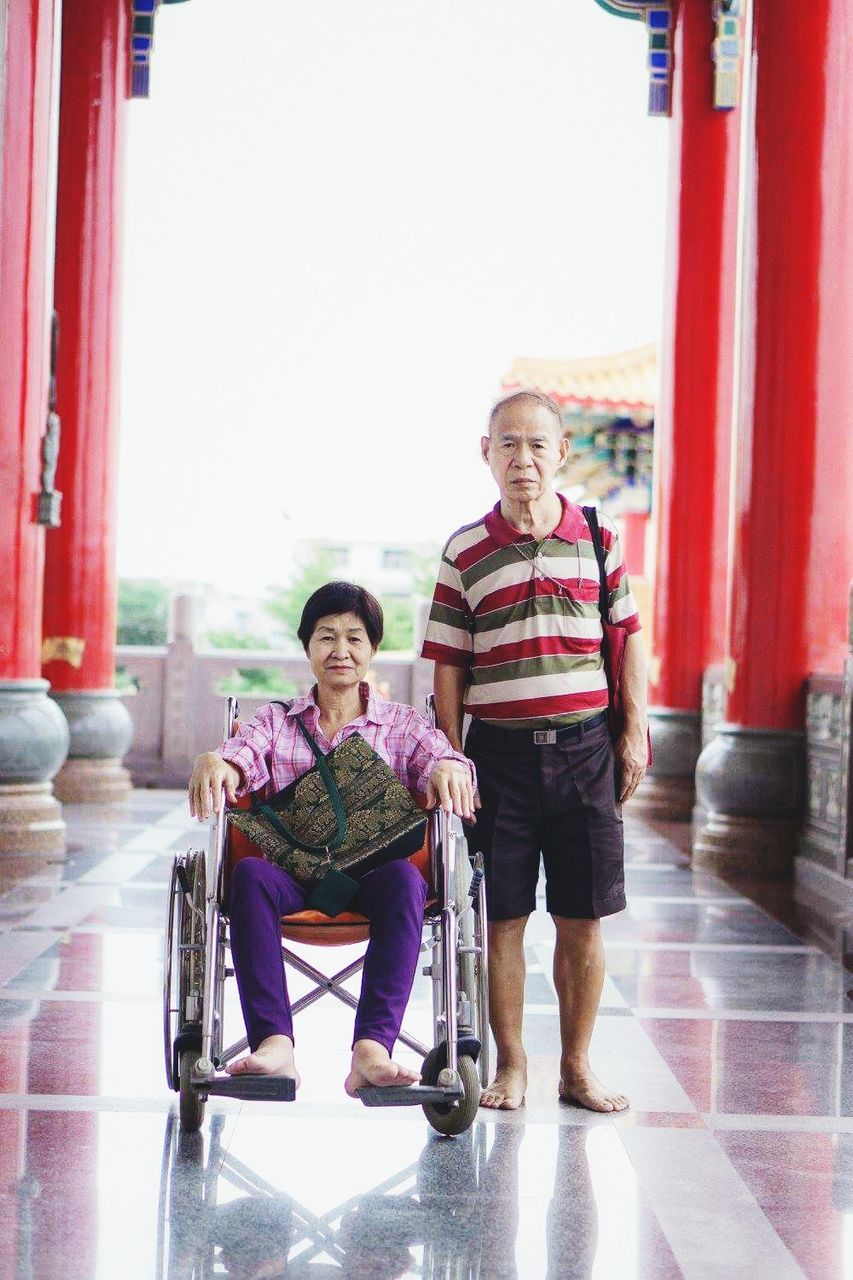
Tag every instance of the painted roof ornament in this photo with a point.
(142, 14)
(658, 18)
(623, 383)
(607, 403)
(727, 51)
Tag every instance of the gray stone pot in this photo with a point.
(34, 734)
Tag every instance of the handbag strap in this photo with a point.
(334, 795)
(591, 516)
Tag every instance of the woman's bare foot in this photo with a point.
(372, 1064)
(273, 1057)
(506, 1092)
(581, 1087)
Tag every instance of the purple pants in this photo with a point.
(392, 898)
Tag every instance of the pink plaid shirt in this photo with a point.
(271, 752)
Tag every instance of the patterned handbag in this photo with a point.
(343, 818)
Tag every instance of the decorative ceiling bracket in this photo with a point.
(727, 51)
(659, 23)
(142, 14)
(141, 44)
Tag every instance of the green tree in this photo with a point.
(257, 682)
(399, 624)
(425, 571)
(286, 603)
(224, 639)
(143, 612)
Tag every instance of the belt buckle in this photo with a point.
(544, 737)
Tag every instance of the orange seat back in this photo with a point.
(313, 926)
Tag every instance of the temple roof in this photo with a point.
(621, 384)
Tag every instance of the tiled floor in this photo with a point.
(733, 1038)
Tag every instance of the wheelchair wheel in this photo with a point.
(452, 1118)
(183, 986)
(191, 1102)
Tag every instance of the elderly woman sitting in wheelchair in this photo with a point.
(340, 629)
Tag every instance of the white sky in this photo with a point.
(343, 222)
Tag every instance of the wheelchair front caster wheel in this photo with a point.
(451, 1118)
(191, 1102)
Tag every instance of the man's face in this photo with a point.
(525, 450)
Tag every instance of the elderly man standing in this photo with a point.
(515, 633)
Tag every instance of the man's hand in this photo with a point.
(632, 755)
(449, 785)
(210, 774)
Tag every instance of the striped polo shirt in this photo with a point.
(522, 616)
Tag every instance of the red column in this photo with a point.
(831, 530)
(80, 575)
(750, 776)
(33, 734)
(693, 417)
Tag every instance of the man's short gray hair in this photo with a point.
(536, 396)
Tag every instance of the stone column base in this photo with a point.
(667, 791)
(101, 732)
(751, 846)
(33, 744)
(667, 799)
(92, 782)
(30, 819)
(751, 784)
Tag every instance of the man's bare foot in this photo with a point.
(506, 1092)
(273, 1057)
(583, 1089)
(372, 1064)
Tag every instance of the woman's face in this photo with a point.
(340, 651)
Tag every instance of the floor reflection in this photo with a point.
(733, 1038)
(453, 1212)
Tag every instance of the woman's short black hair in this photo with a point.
(342, 597)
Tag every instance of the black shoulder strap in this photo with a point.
(331, 788)
(591, 516)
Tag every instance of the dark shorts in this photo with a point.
(558, 800)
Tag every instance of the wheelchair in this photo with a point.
(455, 1066)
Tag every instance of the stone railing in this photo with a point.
(824, 868)
(176, 706)
(824, 837)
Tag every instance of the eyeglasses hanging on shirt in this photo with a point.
(537, 564)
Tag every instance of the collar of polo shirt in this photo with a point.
(572, 525)
(377, 711)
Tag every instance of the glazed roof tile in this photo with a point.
(621, 383)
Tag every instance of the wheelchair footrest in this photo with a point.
(250, 1088)
(406, 1095)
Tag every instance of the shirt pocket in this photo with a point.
(577, 618)
(582, 590)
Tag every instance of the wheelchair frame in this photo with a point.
(195, 971)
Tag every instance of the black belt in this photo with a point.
(541, 737)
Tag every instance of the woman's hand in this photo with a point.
(449, 785)
(210, 774)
